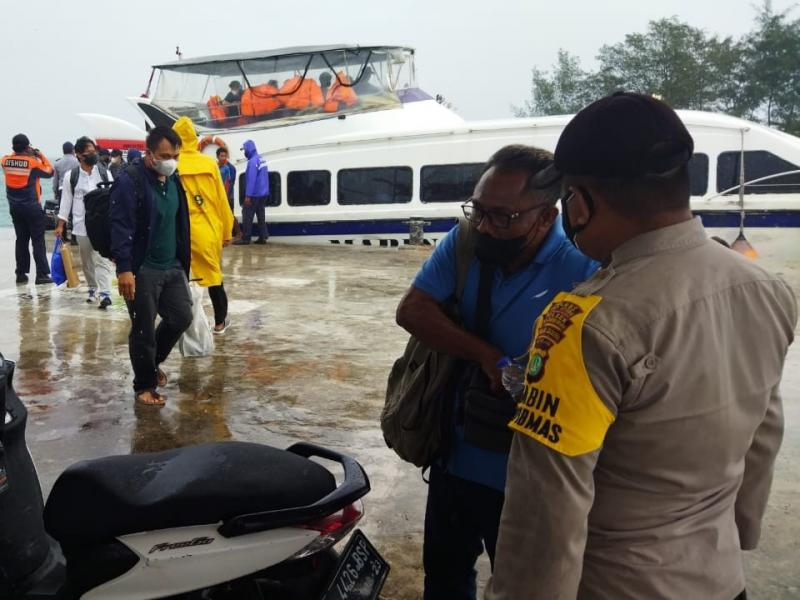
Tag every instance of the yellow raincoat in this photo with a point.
(210, 216)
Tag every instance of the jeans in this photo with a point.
(257, 208)
(462, 519)
(29, 222)
(162, 293)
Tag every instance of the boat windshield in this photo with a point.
(276, 89)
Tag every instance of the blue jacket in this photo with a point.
(257, 172)
(132, 222)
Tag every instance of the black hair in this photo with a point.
(116, 152)
(162, 132)
(222, 149)
(533, 161)
(643, 196)
(82, 143)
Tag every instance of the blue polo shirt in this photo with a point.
(517, 301)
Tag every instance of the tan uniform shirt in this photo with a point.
(644, 448)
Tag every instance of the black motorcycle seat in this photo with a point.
(95, 500)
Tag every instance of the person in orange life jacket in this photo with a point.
(256, 195)
(22, 171)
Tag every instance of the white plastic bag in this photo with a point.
(198, 340)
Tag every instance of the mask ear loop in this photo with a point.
(587, 197)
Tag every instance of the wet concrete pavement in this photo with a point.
(312, 340)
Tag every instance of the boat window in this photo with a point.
(698, 174)
(309, 188)
(449, 183)
(757, 164)
(274, 188)
(382, 185)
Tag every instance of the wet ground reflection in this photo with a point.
(312, 340)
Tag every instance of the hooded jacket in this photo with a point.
(257, 174)
(210, 215)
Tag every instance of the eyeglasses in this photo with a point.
(500, 220)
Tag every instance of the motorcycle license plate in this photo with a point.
(361, 572)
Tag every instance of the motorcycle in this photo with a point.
(215, 521)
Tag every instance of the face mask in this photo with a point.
(90, 159)
(165, 167)
(498, 252)
(571, 230)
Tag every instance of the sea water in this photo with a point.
(5, 217)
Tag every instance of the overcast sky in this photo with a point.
(59, 58)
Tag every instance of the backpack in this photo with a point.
(97, 203)
(415, 411)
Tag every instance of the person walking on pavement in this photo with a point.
(228, 173)
(62, 166)
(210, 218)
(522, 258)
(645, 442)
(255, 195)
(117, 162)
(150, 244)
(23, 170)
(77, 183)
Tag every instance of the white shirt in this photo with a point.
(69, 202)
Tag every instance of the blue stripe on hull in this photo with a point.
(776, 218)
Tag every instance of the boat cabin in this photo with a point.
(281, 87)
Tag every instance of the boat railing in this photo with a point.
(744, 185)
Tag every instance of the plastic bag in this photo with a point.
(57, 273)
(198, 340)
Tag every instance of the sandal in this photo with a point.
(161, 378)
(156, 399)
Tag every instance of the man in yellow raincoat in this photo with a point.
(210, 218)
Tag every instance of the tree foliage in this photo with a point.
(757, 76)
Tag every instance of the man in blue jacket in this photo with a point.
(522, 259)
(255, 195)
(150, 245)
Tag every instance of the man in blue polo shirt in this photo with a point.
(526, 259)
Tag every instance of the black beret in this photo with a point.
(623, 136)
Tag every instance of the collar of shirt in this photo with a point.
(551, 243)
(687, 234)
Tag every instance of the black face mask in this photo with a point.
(90, 159)
(498, 252)
(571, 230)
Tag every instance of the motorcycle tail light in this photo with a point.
(331, 528)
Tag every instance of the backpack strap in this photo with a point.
(73, 178)
(465, 250)
(103, 172)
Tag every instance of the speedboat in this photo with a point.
(382, 163)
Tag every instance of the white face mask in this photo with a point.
(166, 167)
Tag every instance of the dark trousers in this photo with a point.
(461, 520)
(257, 208)
(29, 222)
(219, 299)
(158, 293)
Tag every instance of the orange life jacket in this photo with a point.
(216, 109)
(305, 94)
(260, 100)
(340, 94)
(22, 173)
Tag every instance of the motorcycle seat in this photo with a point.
(95, 500)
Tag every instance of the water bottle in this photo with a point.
(513, 374)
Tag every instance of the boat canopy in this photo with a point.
(279, 87)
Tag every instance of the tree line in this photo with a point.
(756, 77)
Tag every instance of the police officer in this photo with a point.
(22, 170)
(651, 417)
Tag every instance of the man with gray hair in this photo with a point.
(519, 258)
